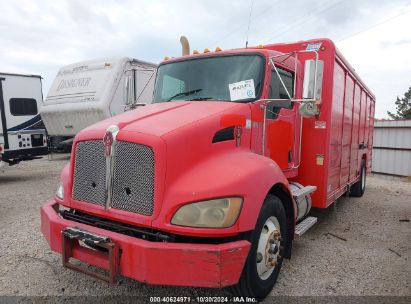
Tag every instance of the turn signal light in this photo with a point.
(206, 50)
(217, 49)
(166, 58)
(260, 46)
(195, 52)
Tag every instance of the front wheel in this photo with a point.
(265, 258)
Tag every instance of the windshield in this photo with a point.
(229, 78)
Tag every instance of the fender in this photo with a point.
(236, 172)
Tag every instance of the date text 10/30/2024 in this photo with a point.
(202, 300)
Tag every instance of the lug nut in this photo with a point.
(273, 249)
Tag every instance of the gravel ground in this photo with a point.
(362, 246)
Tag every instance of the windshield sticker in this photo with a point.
(242, 90)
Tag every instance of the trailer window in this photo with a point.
(23, 106)
(277, 91)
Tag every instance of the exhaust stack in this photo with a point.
(185, 46)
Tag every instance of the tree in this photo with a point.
(403, 107)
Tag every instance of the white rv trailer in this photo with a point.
(86, 92)
(22, 133)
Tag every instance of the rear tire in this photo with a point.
(265, 258)
(358, 188)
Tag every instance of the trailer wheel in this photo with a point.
(265, 258)
(358, 188)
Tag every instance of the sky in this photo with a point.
(39, 37)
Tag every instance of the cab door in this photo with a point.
(280, 133)
(280, 121)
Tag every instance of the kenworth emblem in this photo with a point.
(109, 141)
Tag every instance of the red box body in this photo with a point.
(342, 135)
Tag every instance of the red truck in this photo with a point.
(209, 185)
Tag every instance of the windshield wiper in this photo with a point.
(184, 94)
(200, 98)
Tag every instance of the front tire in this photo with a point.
(265, 258)
(358, 188)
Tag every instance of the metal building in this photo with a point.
(392, 147)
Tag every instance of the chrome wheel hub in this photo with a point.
(269, 245)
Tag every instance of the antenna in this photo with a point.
(249, 21)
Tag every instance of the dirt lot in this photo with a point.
(361, 247)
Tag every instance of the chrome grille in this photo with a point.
(89, 184)
(133, 178)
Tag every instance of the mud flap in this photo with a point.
(71, 237)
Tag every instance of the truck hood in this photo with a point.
(159, 119)
(181, 135)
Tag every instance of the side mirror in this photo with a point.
(313, 79)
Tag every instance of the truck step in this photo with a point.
(304, 225)
(298, 193)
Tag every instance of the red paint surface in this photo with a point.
(156, 262)
(189, 168)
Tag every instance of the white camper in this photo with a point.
(86, 92)
(22, 133)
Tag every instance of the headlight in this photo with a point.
(60, 191)
(217, 213)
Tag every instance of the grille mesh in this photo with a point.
(90, 172)
(133, 178)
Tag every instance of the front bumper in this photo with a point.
(160, 263)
